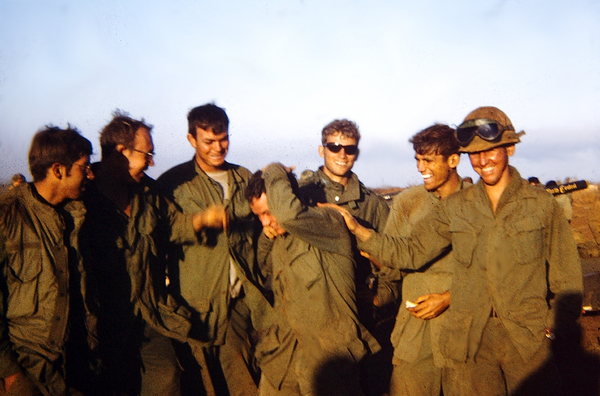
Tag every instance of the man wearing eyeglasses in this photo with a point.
(125, 236)
(334, 182)
(517, 278)
(41, 317)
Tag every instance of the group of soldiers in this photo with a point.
(212, 280)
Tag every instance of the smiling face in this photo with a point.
(492, 165)
(140, 157)
(211, 148)
(260, 208)
(438, 172)
(338, 165)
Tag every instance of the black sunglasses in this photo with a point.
(484, 128)
(350, 149)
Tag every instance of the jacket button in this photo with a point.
(337, 198)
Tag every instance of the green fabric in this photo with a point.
(372, 212)
(35, 309)
(204, 266)
(508, 260)
(313, 282)
(410, 207)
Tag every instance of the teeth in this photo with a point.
(427, 176)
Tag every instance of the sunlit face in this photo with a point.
(140, 157)
(435, 169)
(260, 208)
(492, 165)
(211, 148)
(75, 179)
(338, 165)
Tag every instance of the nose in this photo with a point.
(420, 166)
(150, 160)
(90, 175)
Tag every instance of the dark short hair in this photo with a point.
(436, 139)
(120, 130)
(256, 186)
(208, 117)
(347, 128)
(53, 145)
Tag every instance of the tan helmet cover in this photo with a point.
(509, 136)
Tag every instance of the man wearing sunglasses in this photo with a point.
(517, 278)
(334, 182)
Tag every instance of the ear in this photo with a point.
(453, 160)
(120, 148)
(510, 150)
(192, 140)
(57, 170)
(322, 151)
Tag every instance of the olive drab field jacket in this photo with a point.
(522, 261)
(36, 244)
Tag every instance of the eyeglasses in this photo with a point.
(350, 149)
(87, 168)
(147, 154)
(484, 128)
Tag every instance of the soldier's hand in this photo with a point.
(212, 217)
(430, 306)
(269, 232)
(362, 233)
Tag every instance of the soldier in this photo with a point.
(42, 308)
(334, 182)
(418, 362)
(212, 272)
(516, 267)
(125, 236)
(313, 284)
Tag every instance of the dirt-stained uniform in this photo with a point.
(42, 291)
(204, 269)
(513, 271)
(417, 360)
(313, 283)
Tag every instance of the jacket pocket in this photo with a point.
(454, 335)
(526, 237)
(25, 267)
(464, 240)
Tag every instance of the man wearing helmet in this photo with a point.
(517, 278)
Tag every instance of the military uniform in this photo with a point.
(514, 269)
(418, 361)
(313, 283)
(126, 259)
(42, 302)
(203, 269)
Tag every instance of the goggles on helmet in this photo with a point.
(484, 128)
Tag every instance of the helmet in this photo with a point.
(490, 114)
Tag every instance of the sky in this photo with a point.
(284, 69)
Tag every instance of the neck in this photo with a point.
(49, 192)
(343, 180)
(495, 192)
(449, 186)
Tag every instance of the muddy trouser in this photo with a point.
(418, 378)
(161, 372)
(231, 365)
(499, 369)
